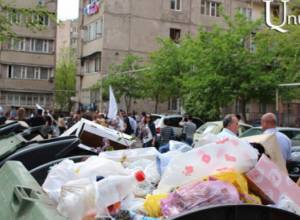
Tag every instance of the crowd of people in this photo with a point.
(141, 126)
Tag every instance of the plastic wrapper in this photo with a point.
(241, 184)
(152, 204)
(228, 153)
(199, 194)
(179, 146)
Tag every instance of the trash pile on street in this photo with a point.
(145, 184)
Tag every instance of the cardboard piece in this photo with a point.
(269, 182)
(92, 134)
(272, 148)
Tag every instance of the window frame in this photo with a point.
(176, 3)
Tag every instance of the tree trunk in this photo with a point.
(243, 105)
(127, 103)
(156, 104)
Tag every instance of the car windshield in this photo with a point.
(206, 128)
(297, 137)
(252, 132)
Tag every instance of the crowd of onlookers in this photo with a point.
(140, 126)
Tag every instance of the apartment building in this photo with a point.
(27, 62)
(111, 29)
(67, 37)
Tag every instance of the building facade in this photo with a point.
(27, 62)
(111, 29)
(67, 37)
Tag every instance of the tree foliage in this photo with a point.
(126, 79)
(65, 79)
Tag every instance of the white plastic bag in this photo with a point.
(67, 171)
(131, 155)
(163, 160)
(179, 146)
(77, 199)
(58, 176)
(206, 139)
(152, 176)
(228, 153)
(96, 166)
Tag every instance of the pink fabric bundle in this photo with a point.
(198, 195)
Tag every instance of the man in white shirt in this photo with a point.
(268, 124)
(230, 126)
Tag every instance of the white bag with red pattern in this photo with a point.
(226, 153)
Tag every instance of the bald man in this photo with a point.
(268, 124)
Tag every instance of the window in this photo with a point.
(30, 73)
(98, 63)
(41, 19)
(17, 72)
(210, 8)
(23, 100)
(17, 44)
(94, 30)
(247, 12)
(29, 100)
(174, 121)
(173, 104)
(175, 34)
(38, 46)
(176, 5)
(44, 73)
(14, 17)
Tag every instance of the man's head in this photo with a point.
(190, 118)
(268, 120)
(231, 123)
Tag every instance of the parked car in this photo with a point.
(173, 121)
(292, 133)
(216, 127)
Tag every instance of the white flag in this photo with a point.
(113, 106)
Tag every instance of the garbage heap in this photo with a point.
(144, 184)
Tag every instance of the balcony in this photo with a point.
(17, 57)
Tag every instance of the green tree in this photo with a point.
(28, 17)
(162, 80)
(126, 79)
(65, 79)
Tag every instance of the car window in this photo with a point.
(244, 128)
(155, 117)
(251, 132)
(289, 133)
(174, 122)
(198, 122)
